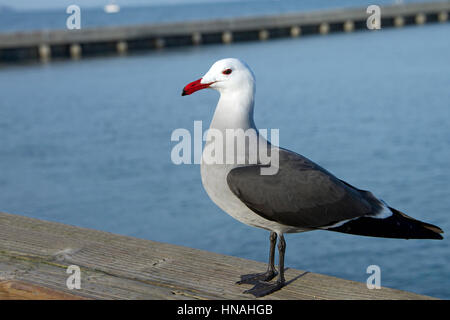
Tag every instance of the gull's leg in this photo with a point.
(264, 288)
(253, 278)
(281, 252)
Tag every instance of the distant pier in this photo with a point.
(75, 44)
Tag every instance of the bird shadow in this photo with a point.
(295, 278)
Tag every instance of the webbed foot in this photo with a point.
(262, 289)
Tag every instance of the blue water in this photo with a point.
(21, 20)
(88, 143)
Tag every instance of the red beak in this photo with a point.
(195, 86)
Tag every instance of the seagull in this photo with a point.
(301, 196)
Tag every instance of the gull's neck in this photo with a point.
(235, 110)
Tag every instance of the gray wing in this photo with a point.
(301, 194)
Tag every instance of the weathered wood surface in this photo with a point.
(35, 254)
(19, 290)
(241, 24)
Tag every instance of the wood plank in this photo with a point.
(37, 253)
(19, 290)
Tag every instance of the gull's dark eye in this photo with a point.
(227, 71)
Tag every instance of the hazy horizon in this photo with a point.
(58, 4)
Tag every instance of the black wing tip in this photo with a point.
(435, 230)
(438, 237)
(396, 226)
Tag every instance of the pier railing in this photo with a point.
(41, 260)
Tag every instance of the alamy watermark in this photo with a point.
(374, 280)
(228, 146)
(373, 22)
(73, 22)
(74, 280)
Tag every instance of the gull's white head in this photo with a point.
(226, 75)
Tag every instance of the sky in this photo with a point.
(45, 4)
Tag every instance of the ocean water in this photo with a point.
(26, 20)
(87, 143)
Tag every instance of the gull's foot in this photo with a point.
(262, 289)
(254, 278)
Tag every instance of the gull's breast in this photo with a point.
(214, 180)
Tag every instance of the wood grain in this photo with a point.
(19, 290)
(35, 254)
